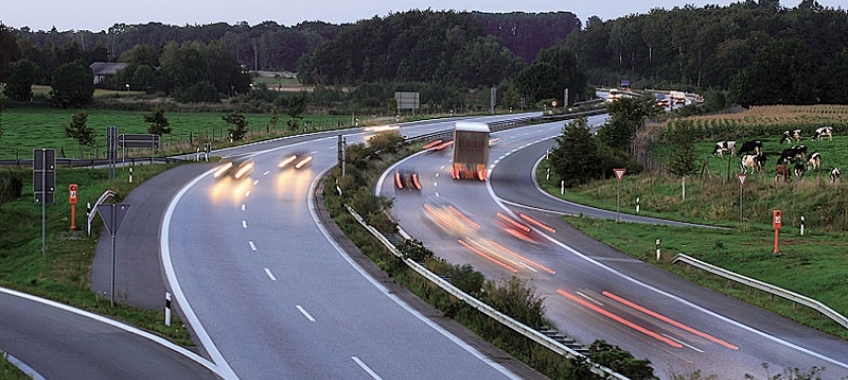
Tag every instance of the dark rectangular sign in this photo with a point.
(138, 141)
(44, 174)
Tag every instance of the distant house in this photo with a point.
(103, 70)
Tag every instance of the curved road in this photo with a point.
(270, 295)
(592, 291)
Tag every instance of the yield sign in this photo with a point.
(113, 215)
(619, 173)
(742, 178)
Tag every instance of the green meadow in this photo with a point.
(814, 265)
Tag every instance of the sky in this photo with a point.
(97, 15)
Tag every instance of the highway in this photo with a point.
(60, 342)
(271, 296)
(592, 291)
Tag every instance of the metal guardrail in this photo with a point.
(504, 319)
(92, 211)
(768, 288)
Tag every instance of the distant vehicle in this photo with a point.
(470, 151)
(613, 95)
(678, 97)
(295, 160)
(238, 167)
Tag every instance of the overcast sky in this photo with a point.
(97, 15)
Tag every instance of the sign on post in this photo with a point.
(113, 215)
(742, 178)
(619, 173)
(44, 175)
(128, 141)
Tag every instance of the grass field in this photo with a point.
(26, 129)
(813, 264)
(62, 273)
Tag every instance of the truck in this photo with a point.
(470, 150)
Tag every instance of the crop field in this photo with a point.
(27, 129)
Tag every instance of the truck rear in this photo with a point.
(470, 151)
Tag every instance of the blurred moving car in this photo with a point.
(237, 167)
(295, 160)
(406, 179)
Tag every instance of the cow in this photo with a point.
(753, 146)
(782, 171)
(822, 132)
(835, 174)
(814, 162)
(796, 152)
(755, 162)
(791, 135)
(724, 146)
(799, 170)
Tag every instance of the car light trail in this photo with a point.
(487, 257)
(522, 258)
(537, 223)
(668, 320)
(619, 319)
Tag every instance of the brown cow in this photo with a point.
(782, 171)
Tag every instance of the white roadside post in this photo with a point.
(637, 205)
(802, 225)
(658, 249)
(167, 309)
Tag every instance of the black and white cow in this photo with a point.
(822, 132)
(835, 175)
(724, 146)
(755, 162)
(796, 152)
(754, 146)
(814, 162)
(799, 170)
(791, 135)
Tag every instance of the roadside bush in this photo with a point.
(11, 185)
(515, 298)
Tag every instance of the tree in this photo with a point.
(9, 50)
(237, 125)
(297, 106)
(626, 116)
(576, 159)
(78, 130)
(683, 154)
(159, 124)
(21, 78)
(73, 84)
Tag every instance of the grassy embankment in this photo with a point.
(10, 372)
(813, 264)
(63, 272)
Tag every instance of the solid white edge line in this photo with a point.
(305, 313)
(664, 293)
(111, 322)
(23, 367)
(367, 369)
(223, 368)
(453, 338)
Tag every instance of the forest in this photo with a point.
(757, 52)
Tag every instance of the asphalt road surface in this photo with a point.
(592, 291)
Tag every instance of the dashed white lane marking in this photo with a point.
(247, 194)
(599, 303)
(266, 173)
(252, 246)
(683, 343)
(244, 223)
(443, 166)
(270, 275)
(366, 368)
(305, 313)
(437, 194)
(435, 184)
(255, 182)
(437, 174)
(243, 207)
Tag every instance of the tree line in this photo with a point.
(760, 52)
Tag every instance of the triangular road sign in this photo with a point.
(742, 178)
(619, 173)
(110, 221)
